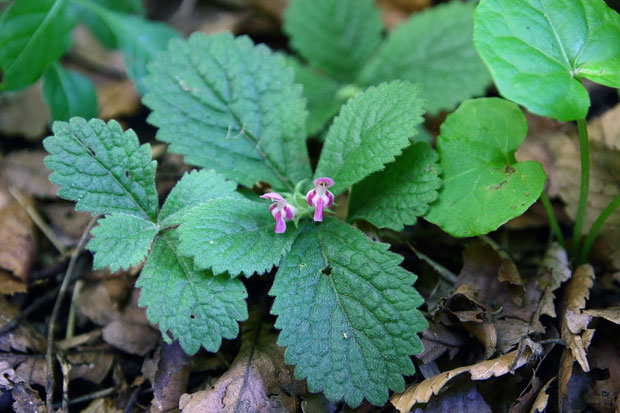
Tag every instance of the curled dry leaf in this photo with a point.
(423, 391)
(540, 403)
(26, 171)
(610, 314)
(18, 245)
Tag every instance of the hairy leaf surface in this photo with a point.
(347, 312)
(68, 93)
(401, 192)
(121, 241)
(370, 131)
(33, 35)
(539, 50)
(337, 36)
(102, 168)
(231, 106)
(198, 308)
(483, 184)
(235, 236)
(434, 48)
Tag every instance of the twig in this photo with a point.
(65, 366)
(49, 388)
(90, 396)
(29, 310)
(75, 341)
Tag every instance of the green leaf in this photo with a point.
(68, 93)
(434, 48)
(33, 34)
(197, 307)
(99, 27)
(347, 312)
(121, 241)
(401, 192)
(336, 36)
(321, 93)
(235, 236)
(193, 189)
(102, 168)
(371, 129)
(483, 184)
(539, 50)
(231, 106)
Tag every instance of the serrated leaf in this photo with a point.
(336, 36)
(539, 50)
(231, 106)
(68, 93)
(121, 241)
(370, 131)
(434, 48)
(401, 192)
(194, 188)
(235, 236)
(102, 168)
(321, 93)
(348, 314)
(33, 34)
(483, 184)
(198, 308)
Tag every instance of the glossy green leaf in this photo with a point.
(68, 93)
(193, 189)
(196, 307)
(231, 106)
(33, 35)
(483, 184)
(102, 168)
(370, 131)
(121, 241)
(348, 314)
(401, 192)
(539, 50)
(337, 36)
(235, 236)
(434, 48)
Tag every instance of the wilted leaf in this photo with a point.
(422, 392)
(17, 241)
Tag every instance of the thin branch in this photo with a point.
(36, 304)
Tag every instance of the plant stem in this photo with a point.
(585, 251)
(555, 227)
(584, 150)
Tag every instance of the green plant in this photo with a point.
(35, 34)
(538, 52)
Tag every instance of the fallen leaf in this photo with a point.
(90, 366)
(610, 314)
(10, 285)
(395, 12)
(526, 398)
(102, 301)
(104, 405)
(436, 340)
(22, 338)
(18, 245)
(26, 171)
(540, 404)
(423, 391)
(27, 400)
(458, 399)
(24, 113)
(130, 337)
(65, 220)
(170, 381)
(117, 98)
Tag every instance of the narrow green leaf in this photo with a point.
(370, 131)
(434, 48)
(102, 168)
(231, 106)
(198, 308)
(194, 188)
(33, 34)
(401, 192)
(336, 36)
(539, 50)
(483, 184)
(68, 93)
(347, 312)
(321, 93)
(121, 241)
(235, 236)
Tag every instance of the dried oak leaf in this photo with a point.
(26, 171)
(423, 391)
(18, 245)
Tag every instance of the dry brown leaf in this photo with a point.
(27, 400)
(117, 99)
(610, 314)
(423, 391)
(10, 285)
(606, 128)
(91, 366)
(395, 12)
(102, 302)
(436, 340)
(170, 378)
(26, 171)
(18, 245)
(24, 113)
(462, 399)
(101, 406)
(540, 404)
(131, 337)
(24, 337)
(65, 219)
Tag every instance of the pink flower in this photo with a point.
(320, 197)
(280, 210)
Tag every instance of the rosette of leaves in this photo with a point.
(35, 34)
(343, 49)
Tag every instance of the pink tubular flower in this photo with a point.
(280, 210)
(320, 197)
